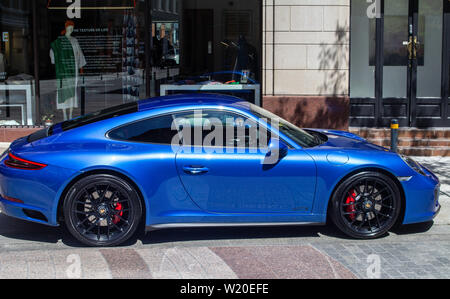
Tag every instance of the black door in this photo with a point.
(410, 65)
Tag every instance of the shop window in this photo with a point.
(362, 73)
(207, 46)
(92, 55)
(16, 64)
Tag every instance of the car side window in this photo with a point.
(154, 130)
(220, 129)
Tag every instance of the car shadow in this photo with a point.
(229, 233)
(20, 230)
(16, 229)
(410, 229)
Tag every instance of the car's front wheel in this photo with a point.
(366, 205)
(102, 210)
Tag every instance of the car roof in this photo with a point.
(189, 100)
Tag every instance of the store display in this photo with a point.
(68, 58)
(130, 60)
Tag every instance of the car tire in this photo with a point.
(366, 205)
(102, 210)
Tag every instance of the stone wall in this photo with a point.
(306, 58)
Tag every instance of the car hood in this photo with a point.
(346, 140)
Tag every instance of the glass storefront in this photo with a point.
(395, 53)
(206, 46)
(91, 62)
(362, 74)
(398, 63)
(61, 59)
(16, 63)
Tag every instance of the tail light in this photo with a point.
(19, 163)
(12, 199)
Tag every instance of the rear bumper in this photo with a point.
(23, 211)
(38, 190)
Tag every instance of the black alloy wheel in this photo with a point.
(366, 205)
(102, 210)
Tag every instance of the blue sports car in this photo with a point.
(207, 160)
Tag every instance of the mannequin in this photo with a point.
(69, 60)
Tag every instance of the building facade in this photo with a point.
(318, 63)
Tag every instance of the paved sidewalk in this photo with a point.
(28, 250)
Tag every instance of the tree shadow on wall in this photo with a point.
(332, 109)
(333, 61)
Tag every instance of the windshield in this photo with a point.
(301, 137)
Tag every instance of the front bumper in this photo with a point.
(422, 198)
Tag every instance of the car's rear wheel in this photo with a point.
(102, 210)
(366, 205)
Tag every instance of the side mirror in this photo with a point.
(277, 150)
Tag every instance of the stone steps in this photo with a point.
(412, 141)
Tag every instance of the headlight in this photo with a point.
(413, 164)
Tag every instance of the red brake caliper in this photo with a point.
(351, 208)
(119, 209)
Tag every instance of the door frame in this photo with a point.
(446, 64)
(405, 110)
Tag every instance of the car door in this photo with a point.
(231, 178)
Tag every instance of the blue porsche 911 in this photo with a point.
(207, 160)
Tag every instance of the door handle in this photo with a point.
(409, 46)
(416, 44)
(412, 46)
(195, 170)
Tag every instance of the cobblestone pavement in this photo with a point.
(397, 259)
(29, 250)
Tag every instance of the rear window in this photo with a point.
(154, 130)
(41, 134)
(86, 119)
(98, 116)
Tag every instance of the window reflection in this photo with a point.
(16, 64)
(209, 46)
(91, 55)
(92, 62)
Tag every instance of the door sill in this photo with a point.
(247, 224)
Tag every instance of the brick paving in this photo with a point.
(398, 260)
(329, 260)
(417, 251)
